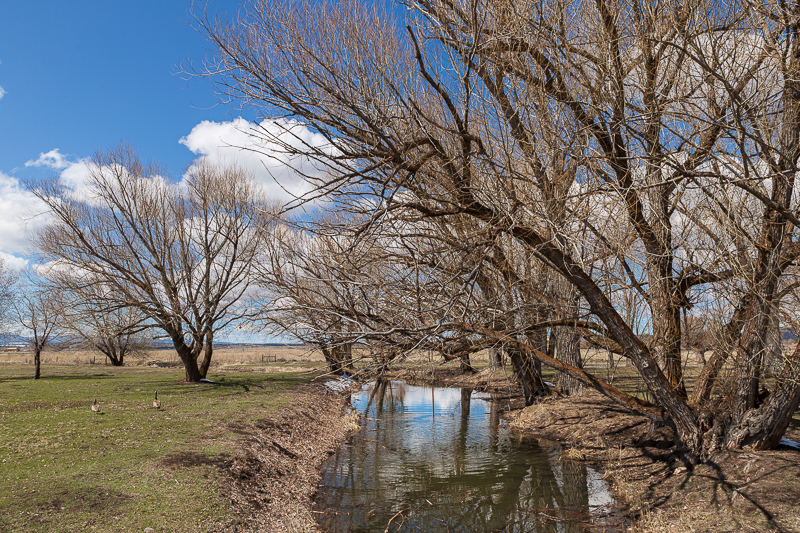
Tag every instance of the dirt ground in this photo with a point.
(735, 491)
(274, 475)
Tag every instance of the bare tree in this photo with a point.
(644, 155)
(8, 282)
(40, 312)
(116, 332)
(304, 271)
(180, 254)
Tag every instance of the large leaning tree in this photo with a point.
(646, 153)
(180, 254)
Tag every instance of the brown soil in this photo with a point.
(735, 491)
(275, 470)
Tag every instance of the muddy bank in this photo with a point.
(274, 474)
(736, 491)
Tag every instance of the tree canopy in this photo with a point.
(511, 169)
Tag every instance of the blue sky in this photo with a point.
(82, 75)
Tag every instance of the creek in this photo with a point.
(436, 459)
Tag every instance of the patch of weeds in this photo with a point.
(575, 454)
(189, 459)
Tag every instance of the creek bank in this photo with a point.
(275, 472)
(735, 491)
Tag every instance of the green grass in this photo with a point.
(65, 468)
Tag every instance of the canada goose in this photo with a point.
(95, 406)
(156, 402)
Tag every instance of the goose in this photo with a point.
(95, 406)
(156, 402)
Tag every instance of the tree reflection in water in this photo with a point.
(438, 459)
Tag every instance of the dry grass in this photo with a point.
(575, 454)
(223, 356)
(352, 420)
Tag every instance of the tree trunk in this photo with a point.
(762, 428)
(466, 365)
(208, 350)
(527, 374)
(345, 356)
(119, 350)
(115, 360)
(666, 323)
(188, 359)
(192, 372)
(749, 360)
(568, 350)
(108, 348)
(495, 358)
(567, 339)
(334, 365)
(37, 363)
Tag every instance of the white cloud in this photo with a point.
(75, 177)
(2, 93)
(13, 262)
(52, 159)
(20, 215)
(257, 149)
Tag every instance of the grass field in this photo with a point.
(132, 467)
(65, 468)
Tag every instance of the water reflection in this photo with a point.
(438, 459)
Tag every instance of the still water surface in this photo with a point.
(439, 459)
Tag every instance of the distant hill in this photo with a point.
(9, 340)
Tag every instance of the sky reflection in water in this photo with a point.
(439, 459)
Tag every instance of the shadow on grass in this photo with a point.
(53, 377)
(760, 495)
(287, 379)
(86, 499)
